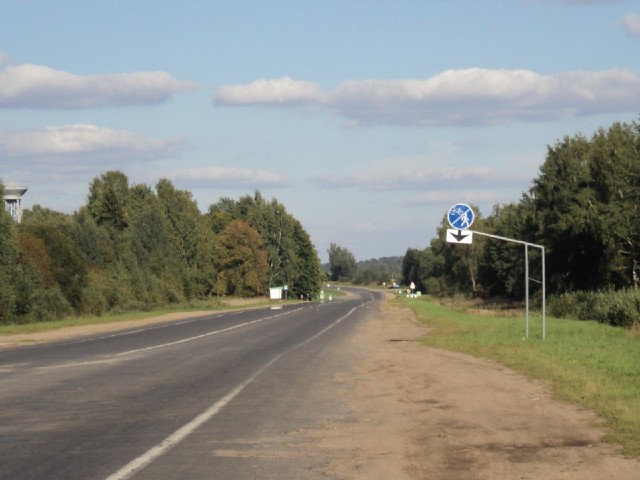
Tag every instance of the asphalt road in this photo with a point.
(213, 397)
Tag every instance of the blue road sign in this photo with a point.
(460, 216)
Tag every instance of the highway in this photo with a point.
(213, 397)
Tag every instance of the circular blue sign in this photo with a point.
(460, 216)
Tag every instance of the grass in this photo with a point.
(334, 291)
(212, 304)
(590, 364)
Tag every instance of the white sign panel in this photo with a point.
(459, 236)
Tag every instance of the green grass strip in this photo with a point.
(211, 305)
(587, 363)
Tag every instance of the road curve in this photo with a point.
(194, 398)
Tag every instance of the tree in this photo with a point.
(417, 268)
(292, 258)
(343, 263)
(585, 201)
(108, 200)
(149, 232)
(309, 275)
(276, 227)
(8, 255)
(614, 164)
(379, 270)
(242, 263)
(191, 238)
(67, 265)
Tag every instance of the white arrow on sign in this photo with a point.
(459, 236)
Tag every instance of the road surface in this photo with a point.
(185, 399)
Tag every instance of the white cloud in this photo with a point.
(230, 177)
(631, 23)
(85, 141)
(407, 177)
(478, 96)
(452, 196)
(282, 91)
(41, 87)
(471, 96)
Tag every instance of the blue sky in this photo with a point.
(367, 119)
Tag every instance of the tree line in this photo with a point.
(132, 247)
(344, 267)
(583, 207)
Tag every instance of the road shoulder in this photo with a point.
(423, 413)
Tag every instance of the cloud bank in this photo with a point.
(230, 177)
(39, 87)
(472, 96)
(84, 140)
(403, 177)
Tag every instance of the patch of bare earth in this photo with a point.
(424, 413)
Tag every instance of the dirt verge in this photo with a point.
(424, 413)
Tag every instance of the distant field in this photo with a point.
(593, 365)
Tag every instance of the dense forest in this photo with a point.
(132, 247)
(583, 207)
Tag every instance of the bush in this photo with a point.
(47, 305)
(434, 286)
(93, 301)
(7, 300)
(618, 308)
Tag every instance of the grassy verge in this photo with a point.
(213, 304)
(333, 291)
(593, 365)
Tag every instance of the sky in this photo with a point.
(366, 119)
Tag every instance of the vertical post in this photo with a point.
(544, 296)
(526, 289)
(544, 300)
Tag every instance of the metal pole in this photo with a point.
(526, 289)
(544, 302)
(527, 244)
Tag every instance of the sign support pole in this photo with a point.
(544, 303)
(526, 289)
(544, 297)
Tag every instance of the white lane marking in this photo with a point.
(183, 432)
(168, 324)
(215, 332)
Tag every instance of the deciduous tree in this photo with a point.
(243, 266)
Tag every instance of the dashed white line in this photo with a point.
(204, 335)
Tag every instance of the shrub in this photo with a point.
(618, 308)
(93, 301)
(48, 304)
